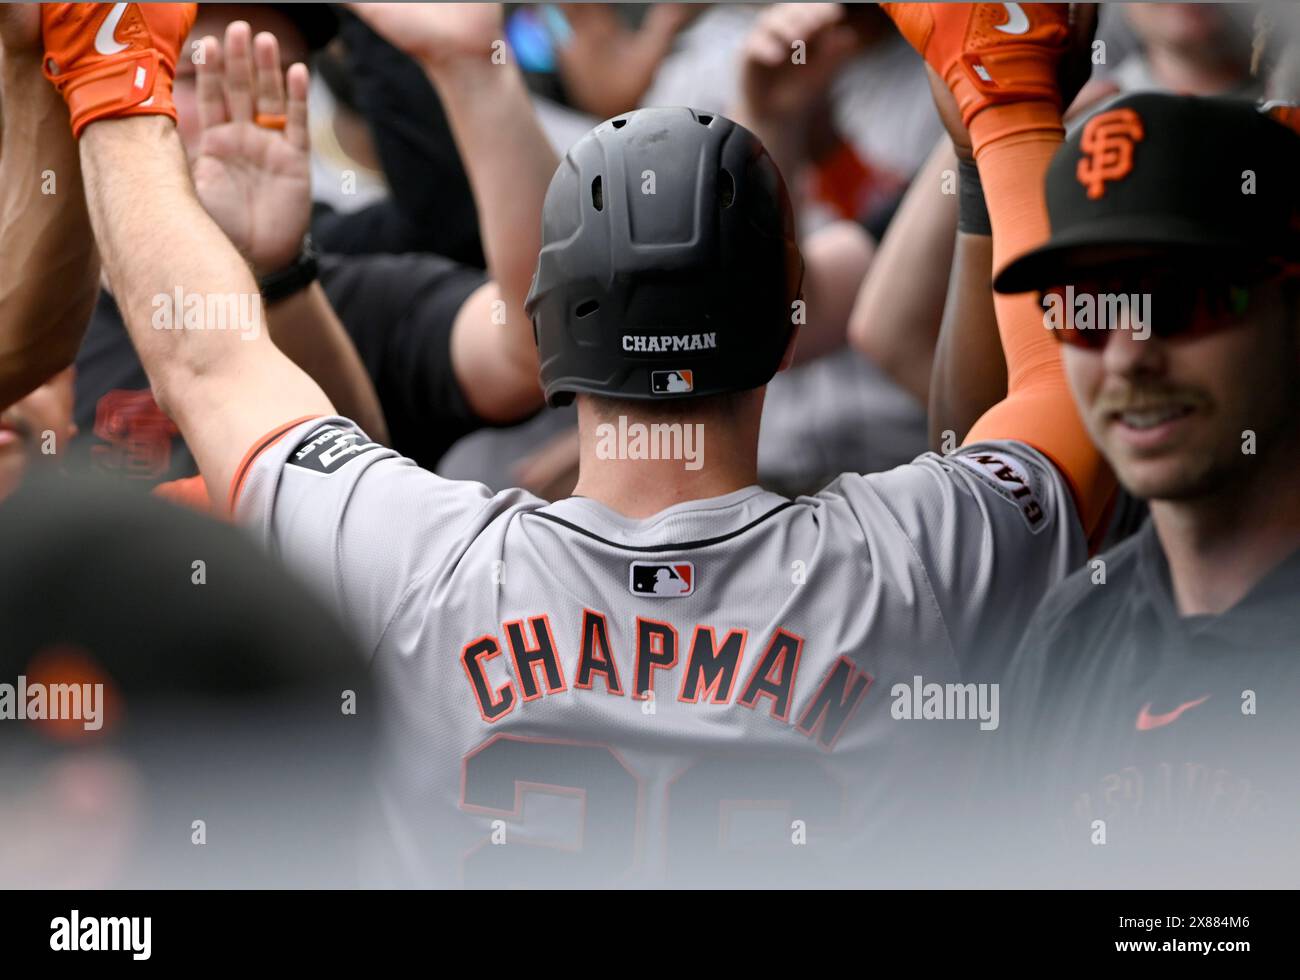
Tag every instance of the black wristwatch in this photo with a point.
(293, 278)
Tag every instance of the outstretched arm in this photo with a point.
(607, 67)
(188, 298)
(225, 389)
(1011, 126)
(781, 99)
(969, 373)
(896, 327)
(510, 164)
(1039, 408)
(51, 274)
(255, 181)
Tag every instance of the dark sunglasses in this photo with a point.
(1171, 304)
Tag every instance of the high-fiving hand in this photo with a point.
(113, 60)
(436, 34)
(984, 54)
(253, 168)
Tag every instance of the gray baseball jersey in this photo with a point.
(720, 693)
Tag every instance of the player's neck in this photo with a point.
(1219, 547)
(703, 460)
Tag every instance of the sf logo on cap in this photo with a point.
(1107, 146)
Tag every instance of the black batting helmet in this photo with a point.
(669, 266)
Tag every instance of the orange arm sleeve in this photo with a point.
(1013, 146)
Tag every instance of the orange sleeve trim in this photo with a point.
(263, 444)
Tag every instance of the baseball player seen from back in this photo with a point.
(673, 675)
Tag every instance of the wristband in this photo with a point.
(972, 210)
(292, 279)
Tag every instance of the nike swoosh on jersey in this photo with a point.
(1019, 20)
(1147, 721)
(105, 42)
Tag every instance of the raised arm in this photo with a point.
(51, 271)
(255, 181)
(970, 373)
(606, 66)
(219, 376)
(1013, 121)
(510, 163)
(781, 99)
(896, 327)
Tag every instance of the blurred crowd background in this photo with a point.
(851, 137)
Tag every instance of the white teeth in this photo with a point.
(1151, 417)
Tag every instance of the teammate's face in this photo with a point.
(1188, 27)
(212, 20)
(23, 428)
(1175, 417)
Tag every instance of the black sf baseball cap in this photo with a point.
(1192, 179)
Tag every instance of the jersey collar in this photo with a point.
(690, 524)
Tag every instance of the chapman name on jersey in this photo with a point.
(709, 671)
(634, 699)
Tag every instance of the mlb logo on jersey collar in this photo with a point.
(672, 579)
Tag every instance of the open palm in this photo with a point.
(253, 178)
(257, 188)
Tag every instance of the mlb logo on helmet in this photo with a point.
(662, 579)
(671, 382)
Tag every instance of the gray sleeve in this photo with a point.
(993, 526)
(361, 523)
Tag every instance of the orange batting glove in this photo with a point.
(114, 59)
(989, 53)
